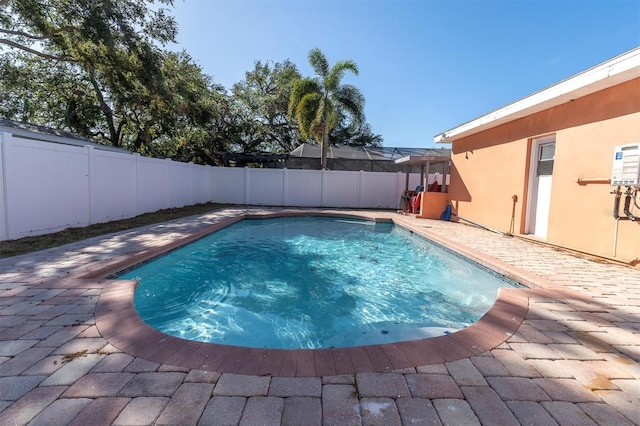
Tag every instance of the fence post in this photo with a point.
(168, 187)
(285, 187)
(399, 188)
(6, 142)
(322, 186)
(90, 167)
(360, 195)
(211, 188)
(137, 182)
(192, 181)
(246, 196)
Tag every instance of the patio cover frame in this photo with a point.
(425, 162)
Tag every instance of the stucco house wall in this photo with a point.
(491, 166)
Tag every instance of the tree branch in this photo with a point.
(67, 28)
(23, 34)
(35, 52)
(108, 114)
(119, 131)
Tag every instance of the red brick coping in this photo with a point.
(118, 322)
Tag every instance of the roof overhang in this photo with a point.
(608, 74)
(422, 159)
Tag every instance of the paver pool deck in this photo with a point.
(565, 351)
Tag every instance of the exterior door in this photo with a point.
(543, 157)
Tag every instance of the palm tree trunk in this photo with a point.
(325, 142)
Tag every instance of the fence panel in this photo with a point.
(414, 180)
(152, 185)
(380, 190)
(228, 185)
(201, 183)
(46, 187)
(179, 184)
(341, 189)
(3, 205)
(113, 189)
(302, 188)
(264, 187)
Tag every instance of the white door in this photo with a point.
(541, 187)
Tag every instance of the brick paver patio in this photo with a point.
(572, 359)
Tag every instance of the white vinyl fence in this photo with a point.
(46, 187)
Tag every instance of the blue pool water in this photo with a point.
(311, 283)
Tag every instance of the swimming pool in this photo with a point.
(311, 283)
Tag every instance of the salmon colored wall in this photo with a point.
(483, 181)
(432, 204)
(490, 167)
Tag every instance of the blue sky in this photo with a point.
(425, 65)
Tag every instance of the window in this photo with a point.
(546, 155)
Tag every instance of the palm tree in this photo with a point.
(317, 103)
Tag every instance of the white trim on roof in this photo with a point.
(615, 71)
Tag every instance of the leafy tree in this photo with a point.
(317, 104)
(94, 67)
(97, 68)
(109, 46)
(85, 31)
(155, 121)
(354, 134)
(38, 92)
(263, 96)
(222, 131)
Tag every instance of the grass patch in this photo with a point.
(41, 242)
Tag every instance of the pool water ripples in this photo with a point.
(311, 282)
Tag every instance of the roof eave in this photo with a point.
(615, 71)
(422, 159)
